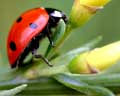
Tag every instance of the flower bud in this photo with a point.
(96, 60)
(83, 10)
(97, 3)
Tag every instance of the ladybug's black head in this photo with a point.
(55, 16)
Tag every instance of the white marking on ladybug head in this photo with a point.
(42, 7)
(56, 14)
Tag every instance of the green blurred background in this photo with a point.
(105, 23)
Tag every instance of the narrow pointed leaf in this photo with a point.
(115, 68)
(14, 91)
(43, 86)
(90, 90)
(106, 80)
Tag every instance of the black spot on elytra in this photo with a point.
(33, 25)
(12, 46)
(19, 19)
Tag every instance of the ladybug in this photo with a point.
(28, 30)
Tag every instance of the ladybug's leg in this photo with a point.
(50, 40)
(42, 57)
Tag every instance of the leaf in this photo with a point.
(60, 30)
(90, 90)
(105, 80)
(58, 34)
(14, 91)
(115, 68)
(42, 86)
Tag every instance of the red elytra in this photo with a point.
(21, 33)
